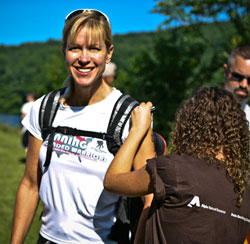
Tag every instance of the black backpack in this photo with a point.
(127, 217)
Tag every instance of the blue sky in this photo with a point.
(39, 20)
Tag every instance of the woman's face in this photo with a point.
(86, 60)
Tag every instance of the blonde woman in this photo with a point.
(77, 209)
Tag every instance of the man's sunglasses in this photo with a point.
(238, 77)
(80, 11)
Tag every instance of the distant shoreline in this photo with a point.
(10, 119)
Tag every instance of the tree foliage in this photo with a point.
(24, 69)
(190, 56)
(197, 12)
(177, 65)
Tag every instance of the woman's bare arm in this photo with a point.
(146, 151)
(140, 232)
(118, 178)
(28, 193)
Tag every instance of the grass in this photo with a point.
(11, 172)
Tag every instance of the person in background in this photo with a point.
(237, 79)
(109, 73)
(201, 190)
(25, 109)
(237, 76)
(76, 207)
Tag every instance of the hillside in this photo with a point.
(39, 67)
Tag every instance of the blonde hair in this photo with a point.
(98, 27)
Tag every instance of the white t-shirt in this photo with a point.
(246, 109)
(77, 209)
(25, 109)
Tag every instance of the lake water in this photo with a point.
(10, 119)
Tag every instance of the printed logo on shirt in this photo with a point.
(80, 146)
(195, 202)
(99, 145)
(240, 217)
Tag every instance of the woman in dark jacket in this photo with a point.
(201, 190)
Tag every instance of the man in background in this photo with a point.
(109, 73)
(30, 98)
(237, 81)
(237, 76)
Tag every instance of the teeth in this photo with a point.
(84, 70)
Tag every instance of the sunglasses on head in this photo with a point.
(238, 77)
(80, 11)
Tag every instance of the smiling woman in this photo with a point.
(86, 58)
(67, 174)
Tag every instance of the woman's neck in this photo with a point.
(83, 96)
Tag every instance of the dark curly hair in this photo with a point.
(212, 122)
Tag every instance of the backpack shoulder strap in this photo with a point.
(119, 116)
(48, 109)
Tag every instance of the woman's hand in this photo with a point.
(142, 118)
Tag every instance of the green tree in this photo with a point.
(178, 65)
(56, 73)
(197, 12)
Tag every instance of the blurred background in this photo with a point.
(163, 49)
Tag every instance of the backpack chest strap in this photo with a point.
(76, 132)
